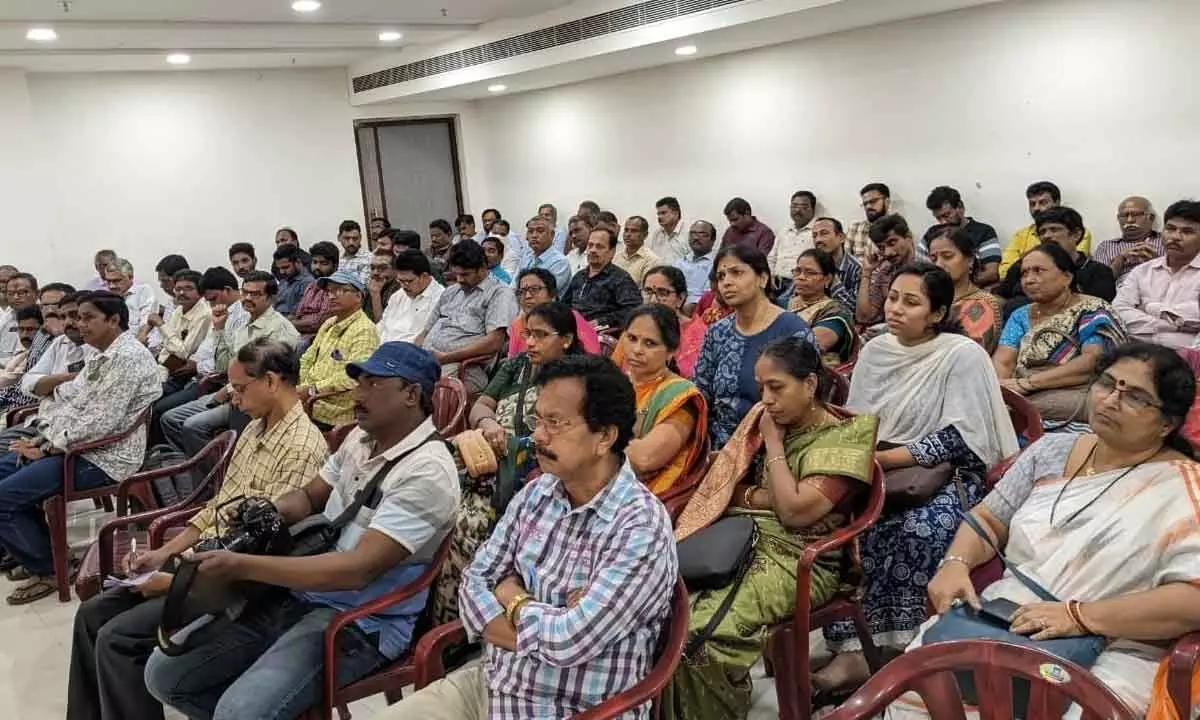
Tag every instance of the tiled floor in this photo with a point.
(35, 645)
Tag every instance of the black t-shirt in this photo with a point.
(1093, 278)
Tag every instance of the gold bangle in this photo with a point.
(748, 497)
(777, 458)
(514, 605)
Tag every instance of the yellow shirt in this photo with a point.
(637, 264)
(1027, 239)
(268, 463)
(323, 365)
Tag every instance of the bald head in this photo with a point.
(1136, 216)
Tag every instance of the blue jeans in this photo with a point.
(191, 425)
(267, 666)
(23, 530)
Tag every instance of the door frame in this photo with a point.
(373, 124)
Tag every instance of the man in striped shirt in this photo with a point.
(947, 207)
(573, 588)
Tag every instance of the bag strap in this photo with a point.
(1033, 585)
(723, 609)
(519, 421)
(367, 491)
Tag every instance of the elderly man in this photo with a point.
(539, 235)
(946, 205)
(139, 297)
(893, 250)
(1042, 196)
(347, 336)
(101, 260)
(293, 278)
(1157, 302)
(572, 590)
(1139, 240)
(408, 312)
(876, 201)
(697, 265)
(745, 229)
(634, 257)
(22, 291)
(355, 258)
(602, 292)
(471, 317)
(669, 241)
(796, 237)
(107, 397)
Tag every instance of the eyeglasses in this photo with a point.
(1134, 399)
(241, 390)
(659, 293)
(806, 273)
(536, 335)
(1132, 215)
(552, 426)
(531, 290)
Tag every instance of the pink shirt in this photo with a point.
(583, 329)
(1151, 288)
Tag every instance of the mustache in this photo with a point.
(543, 452)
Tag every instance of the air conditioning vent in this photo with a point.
(593, 26)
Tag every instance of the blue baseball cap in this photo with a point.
(342, 277)
(400, 360)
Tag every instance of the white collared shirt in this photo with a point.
(405, 317)
(10, 340)
(790, 243)
(673, 245)
(141, 301)
(59, 357)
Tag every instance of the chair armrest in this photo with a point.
(143, 520)
(428, 654)
(19, 414)
(75, 451)
(168, 520)
(217, 449)
(1181, 666)
(210, 383)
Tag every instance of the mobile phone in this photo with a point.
(1000, 610)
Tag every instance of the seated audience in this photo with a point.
(243, 259)
(796, 237)
(550, 213)
(1139, 240)
(828, 236)
(540, 252)
(150, 334)
(697, 264)
(288, 236)
(408, 312)
(275, 671)
(1042, 196)
(470, 318)
(534, 287)
(292, 276)
(876, 203)
(938, 401)
(6, 273)
(672, 415)
(348, 336)
(1114, 516)
(725, 368)
(138, 297)
(832, 322)
(893, 250)
(745, 229)
(947, 207)
(382, 285)
(62, 359)
(799, 468)
(29, 325)
(376, 228)
(602, 292)
(356, 259)
(979, 313)
(22, 292)
(666, 285)
(578, 231)
(439, 248)
(503, 415)
(1049, 348)
(313, 309)
(608, 219)
(50, 321)
(568, 603)
(109, 395)
(279, 451)
(669, 241)
(386, 240)
(101, 260)
(184, 330)
(465, 225)
(1157, 301)
(1063, 226)
(590, 210)
(493, 252)
(634, 257)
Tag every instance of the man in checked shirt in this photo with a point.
(572, 589)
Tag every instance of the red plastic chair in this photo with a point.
(847, 368)
(449, 407)
(839, 388)
(391, 679)
(19, 414)
(1054, 684)
(1026, 420)
(1181, 668)
(675, 498)
(116, 536)
(335, 437)
(55, 506)
(430, 666)
(787, 647)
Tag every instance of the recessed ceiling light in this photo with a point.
(41, 34)
(306, 6)
(179, 58)
(685, 50)
(390, 36)
(497, 88)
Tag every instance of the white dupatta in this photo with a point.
(921, 389)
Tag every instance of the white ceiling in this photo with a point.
(116, 35)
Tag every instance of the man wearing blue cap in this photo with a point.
(346, 337)
(263, 666)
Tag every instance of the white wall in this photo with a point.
(190, 162)
(1096, 95)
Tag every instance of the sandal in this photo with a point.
(17, 574)
(7, 562)
(32, 591)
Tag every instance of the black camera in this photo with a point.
(254, 527)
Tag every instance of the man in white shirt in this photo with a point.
(578, 230)
(139, 297)
(793, 240)
(1159, 300)
(669, 240)
(407, 313)
(64, 357)
(21, 291)
(550, 213)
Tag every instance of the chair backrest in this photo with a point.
(839, 388)
(335, 437)
(1054, 683)
(449, 406)
(608, 343)
(1026, 420)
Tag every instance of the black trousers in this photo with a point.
(114, 635)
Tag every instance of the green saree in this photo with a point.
(715, 681)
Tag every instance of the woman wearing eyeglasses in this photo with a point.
(665, 285)
(832, 322)
(534, 287)
(1106, 522)
(502, 419)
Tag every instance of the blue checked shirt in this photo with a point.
(618, 549)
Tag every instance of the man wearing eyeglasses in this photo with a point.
(347, 337)
(1139, 240)
(1158, 301)
(407, 312)
(22, 293)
